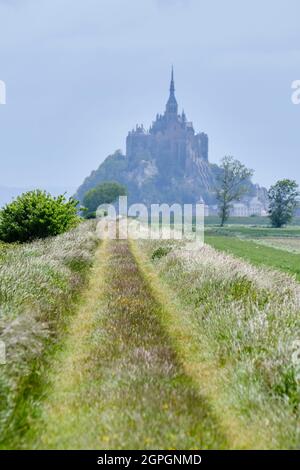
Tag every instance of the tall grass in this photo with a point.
(118, 383)
(287, 244)
(247, 319)
(38, 283)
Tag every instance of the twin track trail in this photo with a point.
(117, 382)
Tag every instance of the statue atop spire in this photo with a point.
(172, 106)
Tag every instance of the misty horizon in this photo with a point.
(79, 76)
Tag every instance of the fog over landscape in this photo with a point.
(80, 75)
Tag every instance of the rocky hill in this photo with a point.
(149, 182)
(167, 163)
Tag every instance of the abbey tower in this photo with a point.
(166, 164)
(171, 140)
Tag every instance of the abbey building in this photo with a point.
(171, 139)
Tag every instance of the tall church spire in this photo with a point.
(172, 107)
(172, 86)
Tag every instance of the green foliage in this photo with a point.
(105, 193)
(233, 183)
(36, 214)
(159, 183)
(89, 215)
(288, 386)
(160, 252)
(282, 202)
(113, 168)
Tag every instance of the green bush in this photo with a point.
(36, 214)
(105, 193)
(160, 252)
(282, 202)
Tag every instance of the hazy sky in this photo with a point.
(81, 73)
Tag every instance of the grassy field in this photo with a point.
(248, 231)
(254, 221)
(258, 243)
(184, 349)
(169, 345)
(245, 320)
(118, 382)
(40, 282)
(286, 243)
(258, 254)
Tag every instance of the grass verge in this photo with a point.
(254, 231)
(40, 282)
(258, 253)
(235, 325)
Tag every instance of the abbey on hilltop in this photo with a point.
(171, 138)
(167, 163)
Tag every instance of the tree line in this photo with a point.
(232, 186)
(36, 214)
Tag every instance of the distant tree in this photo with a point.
(231, 185)
(282, 202)
(105, 193)
(36, 214)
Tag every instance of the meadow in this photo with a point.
(245, 321)
(253, 221)
(259, 244)
(151, 344)
(39, 284)
(258, 253)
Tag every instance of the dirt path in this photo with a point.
(118, 383)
